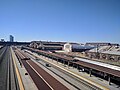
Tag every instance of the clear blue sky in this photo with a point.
(61, 20)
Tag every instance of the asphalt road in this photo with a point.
(4, 68)
(7, 73)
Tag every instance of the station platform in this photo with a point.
(97, 81)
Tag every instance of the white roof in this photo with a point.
(112, 52)
(99, 64)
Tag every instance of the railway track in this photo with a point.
(85, 83)
(41, 78)
(2, 53)
(35, 77)
(3, 68)
(7, 73)
(53, 71)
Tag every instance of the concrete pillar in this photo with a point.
(98, 55)
(107, 57)
(57, 60)
(101, 56)
(109, 79)
(104, 75)
(90, 71)
(68, 64)
(64, 62)
(77, 66)
(52, 59)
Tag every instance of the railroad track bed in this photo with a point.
(27, 64)
(41, 78)
(8, 79)
(68, 77)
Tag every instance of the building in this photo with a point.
(45, 45)
(11, 38)
(98, 44)
(75, 47)
(103, 44)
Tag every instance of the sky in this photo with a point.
(61, 20)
